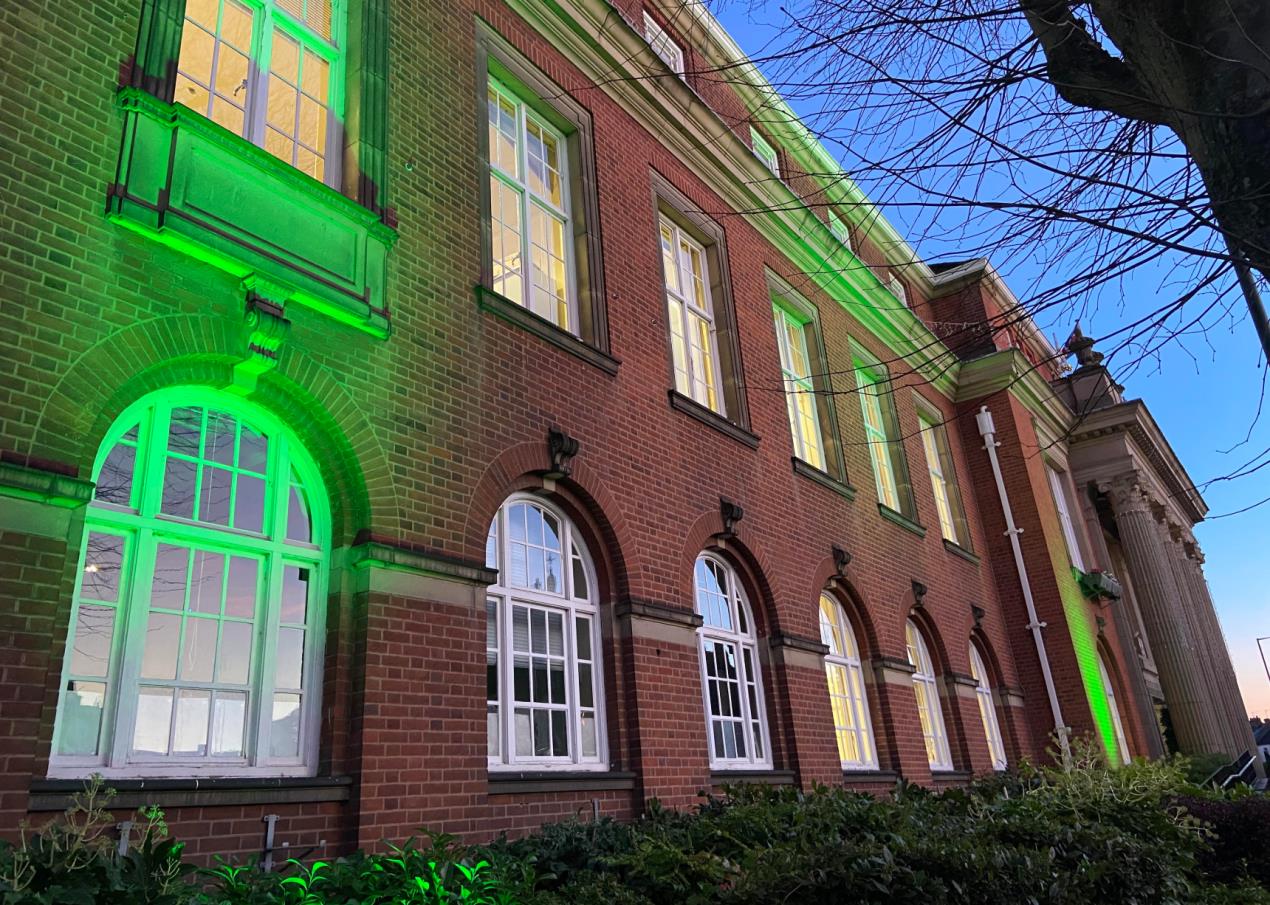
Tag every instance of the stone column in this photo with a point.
(1225, 672)
(1189, 610)
(1175, 653)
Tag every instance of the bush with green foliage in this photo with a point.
(1139, 835)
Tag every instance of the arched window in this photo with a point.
(846, 688)
(544, 685)
(1122, 743)
(926, 688)
(195, 644)
(987, 708)
(731, 684)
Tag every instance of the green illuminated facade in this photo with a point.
(433, 414)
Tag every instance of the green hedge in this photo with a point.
(1087, 835)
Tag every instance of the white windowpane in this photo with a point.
(284, 730)
(79, 726)
(154, 721)
(926, 690)
(1058, 486)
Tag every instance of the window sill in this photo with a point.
(823, 478)
(522, 317)
(901, 519)
(521, 782)
(759, 777)
(57, 794)
(681, 403)
(951, 776)
(862, 776)
(958, 550)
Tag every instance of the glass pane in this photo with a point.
(316, 78)
(290, 659)
(285, 60)
(282, 107)
(284, 737)
(309, 163)
(555, 574)
(557, 683)
(198, 649)
(203, 12)
(167, 588)
(114, 481)
(178, 488)
(184, 428)
(249, 503)
(235, 26)
(582, 629)
(231, 74)
(581, 589)
(555, 634)
(94, 630)
(195, 58)
(103, 563)
(520, 628)
(524, 734)
(253, 451)
(279, 145)
(80, 724)
(588, 735)
(241, 590)
(213, 503)
(235, 653)
(295, 594)
(538, 635)
(229, 715)
(205, 581)
(192, 709)
(191, 94)
(559, 735)
(586, 692)
(520, 679)
(163, 636)
(154, 719)
(540, 681)
(542, 733)
(228, 115)
(493, 746)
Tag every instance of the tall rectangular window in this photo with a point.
(764, 151)
(663, 45)
(1058, 486)
(530, 224)
(693, 341)
(943, 481)
(877, 434)
(271, 72)
(800, 390)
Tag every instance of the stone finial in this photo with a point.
(1082, 347)
(561, 448)
(731, 513)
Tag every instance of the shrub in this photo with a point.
(1240, 840)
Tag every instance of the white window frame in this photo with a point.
(878, 438)
(765, 152)
(700, 378)
(1109, 689)
(742, 639)
(144, 527)
(896, 287)
(503, 596)
(799, 388)
(268, 16)
(666, 47)
(850, 710)
(1062, 503)
(531, 200)
(945, 491)
(840, 231)
(929, 706)
(987, 709)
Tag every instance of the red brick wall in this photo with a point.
(420, 436)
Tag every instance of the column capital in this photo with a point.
(1128, 493)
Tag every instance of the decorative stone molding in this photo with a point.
(893, 670)
(376, 554)
(841, 559)
(977, 613)
(919, 594)
(267, 329)
(28, 482)
(731, 513)
(561, 448)
(650, 611)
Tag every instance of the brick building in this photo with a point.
(473, 415)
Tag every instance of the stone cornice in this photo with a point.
(29, 482)
(613, 54)
(378, 554)
(1132, 419)
(1008, 369)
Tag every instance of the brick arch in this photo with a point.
(933, 635)
(852, 598)
(178, 349)
(583, 495)
(753, 566)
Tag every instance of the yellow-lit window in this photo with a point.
(800, 390)
(271, 72)
(878, 439)
(846, 688)
(694, 347)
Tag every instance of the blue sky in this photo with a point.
(1203, 393)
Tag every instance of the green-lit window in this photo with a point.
(694, 344)
(943, 480)
(987, 709)
(544, 688)
(879, 434)
(800, 390)
(195, 639)
(845, 676)
(1122, 743)
(926, 688)
(530, 225)
(271, 71)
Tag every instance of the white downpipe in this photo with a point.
(988, 430)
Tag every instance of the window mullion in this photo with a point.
(258, 76)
